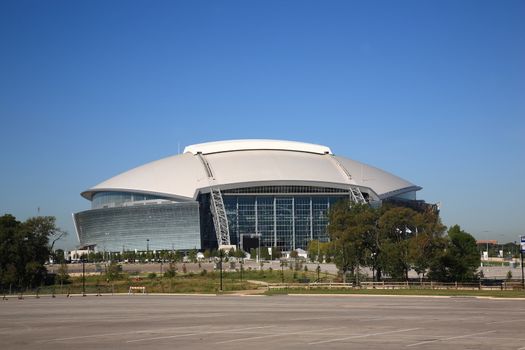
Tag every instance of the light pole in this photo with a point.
(220, 262)
(318, 256)
(83, 276)
(242, 263)
(105, 244)
(282, 270)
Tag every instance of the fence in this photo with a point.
(399, 285)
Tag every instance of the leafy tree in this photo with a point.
(171, 271)
(192, 255)
(350, 228)
(24, 248)
(62, 275)
(178, 256)
(323, 249)
(114, 271)
(398, 227)
(276, 253)
(459, 261)
(428, 242)
(240, 254)
(265, 254)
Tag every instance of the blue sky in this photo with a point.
(432, 91)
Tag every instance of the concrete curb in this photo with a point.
(407, 296)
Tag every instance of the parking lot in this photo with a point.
(256, 322)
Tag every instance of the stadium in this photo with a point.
(218, 193)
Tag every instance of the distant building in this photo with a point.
(77, 254)
(215, 193)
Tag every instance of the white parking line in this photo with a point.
(117, 333)
(450, 338)
(506, 321)
(363, 336)
(323, 318)
(277, 335)
(199, 333)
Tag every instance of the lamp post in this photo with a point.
(83, 276)
(220, 262)
(522, 248)
(318, 256)
(522, 279)
(282, 270)
(242, 263)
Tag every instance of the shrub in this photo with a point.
(152, 275)
(171, 271)
(114, 271)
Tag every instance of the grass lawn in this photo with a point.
(205, 282)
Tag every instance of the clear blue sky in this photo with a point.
(432, 91)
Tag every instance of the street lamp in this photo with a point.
(105, 244)
(220, 262)
(83, 276)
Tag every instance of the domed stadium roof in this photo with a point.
(251, 163)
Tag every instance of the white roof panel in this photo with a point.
(245, 145)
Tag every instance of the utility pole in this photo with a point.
(83, 277)
(522, 248)
(241, 262)
(522, 279)
(220, 256)
(282, 271)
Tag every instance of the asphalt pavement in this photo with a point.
(261, 322)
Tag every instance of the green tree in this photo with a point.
(428, 243)
(350, 228)
(192, 255)
(276, 253)
(114, 271)
(240, 254)
(62, 275)
(398, 227)
(459, 260)
(171, 271)
(24, 248)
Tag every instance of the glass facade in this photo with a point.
(166, 226)
(119, 199)
(286, 217)
(283, 221)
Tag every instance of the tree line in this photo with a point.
(392, 240)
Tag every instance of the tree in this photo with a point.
(240, 254)
(428, 242)
(113, 271)
(171, 271)
(351, 227)
(459, 260)
(24, 248)
(192, 255)
(398, 227)
(62, 275)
